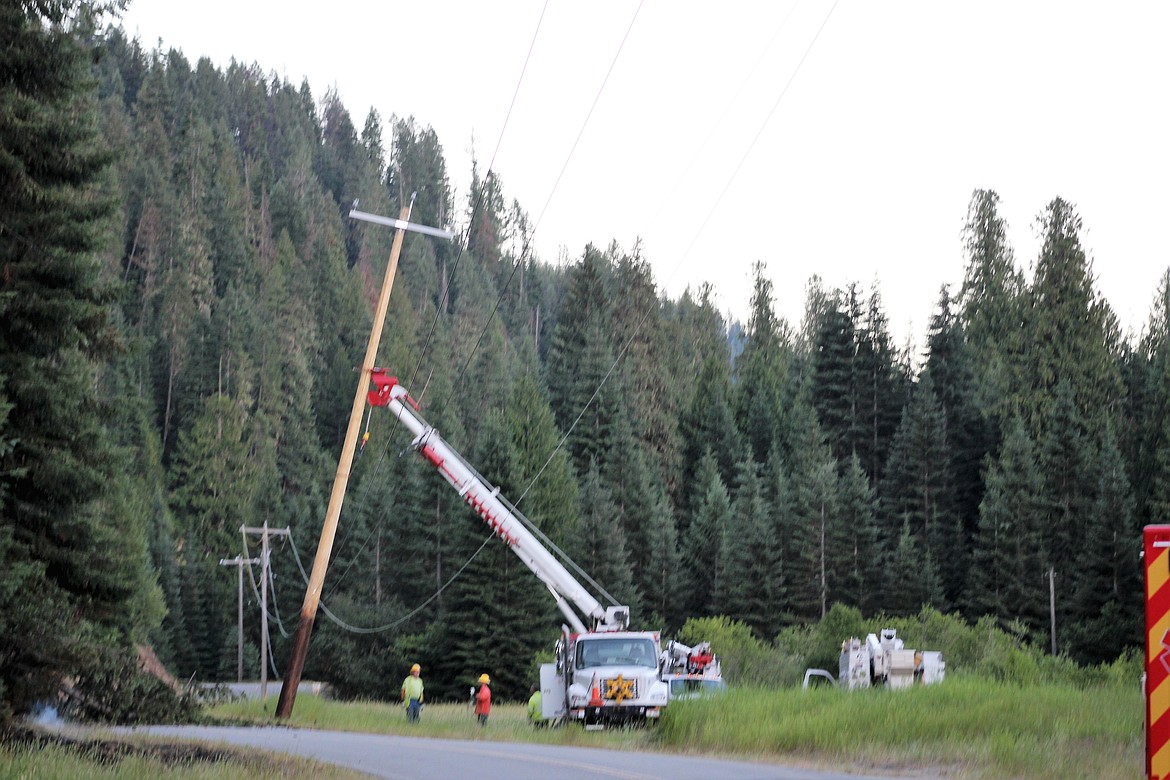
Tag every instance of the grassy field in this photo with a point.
(963, 729)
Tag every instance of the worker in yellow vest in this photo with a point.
(412, 693)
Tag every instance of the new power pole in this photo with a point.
(300, 647)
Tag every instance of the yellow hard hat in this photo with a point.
(415, 668)
(484, 679)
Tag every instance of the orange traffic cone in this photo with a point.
(595, 694)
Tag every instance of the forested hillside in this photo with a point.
(185, 301)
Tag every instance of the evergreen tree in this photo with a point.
(835, 375)
(659, 582)
(969, 435)
(742, 592)
(1069, 465)
(1107, 594)
(990, 302)
(882, 390)
(583, 393)
(75, 563)
(761, 371)
(912, 577)
(1071, 333)
(814, 502)
(780, 548)
(700, 552)
(707, 426)
(858, 554)
(916, 494)
(599, 545)
(1005, 576)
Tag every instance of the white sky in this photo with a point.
(860, 170)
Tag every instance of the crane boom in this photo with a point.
(504, 519)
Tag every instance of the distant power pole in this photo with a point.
(239, 562)
(1052, 604)
(264, 532)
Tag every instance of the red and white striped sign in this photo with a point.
(1157, 555)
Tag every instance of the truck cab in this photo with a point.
(604, 678)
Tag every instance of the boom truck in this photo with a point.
(604, 673)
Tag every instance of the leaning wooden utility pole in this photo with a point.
(300, 646)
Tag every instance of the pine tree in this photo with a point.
(969, 435)
(882, 390)
(599, 545)
(61, 549)
(742, 592)
(761, 371)
(1069, 465)
(1108, 582)
(659, 582)
(708, 426)
(916, 493)
(1005, 576)
(1071, 333)
(702, 541)
(814, 502)
(990, 303)
(858, 554)
(835, 375)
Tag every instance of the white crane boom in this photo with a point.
(504, 519)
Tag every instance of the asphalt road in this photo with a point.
(418, 758)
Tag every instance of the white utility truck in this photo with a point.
(886, 661)
(604, 673)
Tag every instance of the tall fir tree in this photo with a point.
(742, 592)
(990, 303)
(72, 562)
(1107, 596)
(700, 552)
(916, 495)
(761, 371)
(1005, 576)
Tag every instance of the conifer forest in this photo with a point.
(184, 302)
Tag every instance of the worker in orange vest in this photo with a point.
(483, 699)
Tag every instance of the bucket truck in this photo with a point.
(604, 673)
(882, 661)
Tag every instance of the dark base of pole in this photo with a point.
(296, 665)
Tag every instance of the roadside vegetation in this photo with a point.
(139, 759)
(1006, 708)
(966, 728)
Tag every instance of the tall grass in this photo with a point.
(967, 727)
(61, 762)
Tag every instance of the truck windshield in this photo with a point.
(635, 651)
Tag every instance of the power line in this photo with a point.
(476, 206)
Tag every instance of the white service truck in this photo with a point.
(885, 660)
(603, 673)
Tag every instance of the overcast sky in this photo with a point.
(842, 139)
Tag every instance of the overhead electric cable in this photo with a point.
(552, 193)
(702, 226)
(751, 146)
(476, 206)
